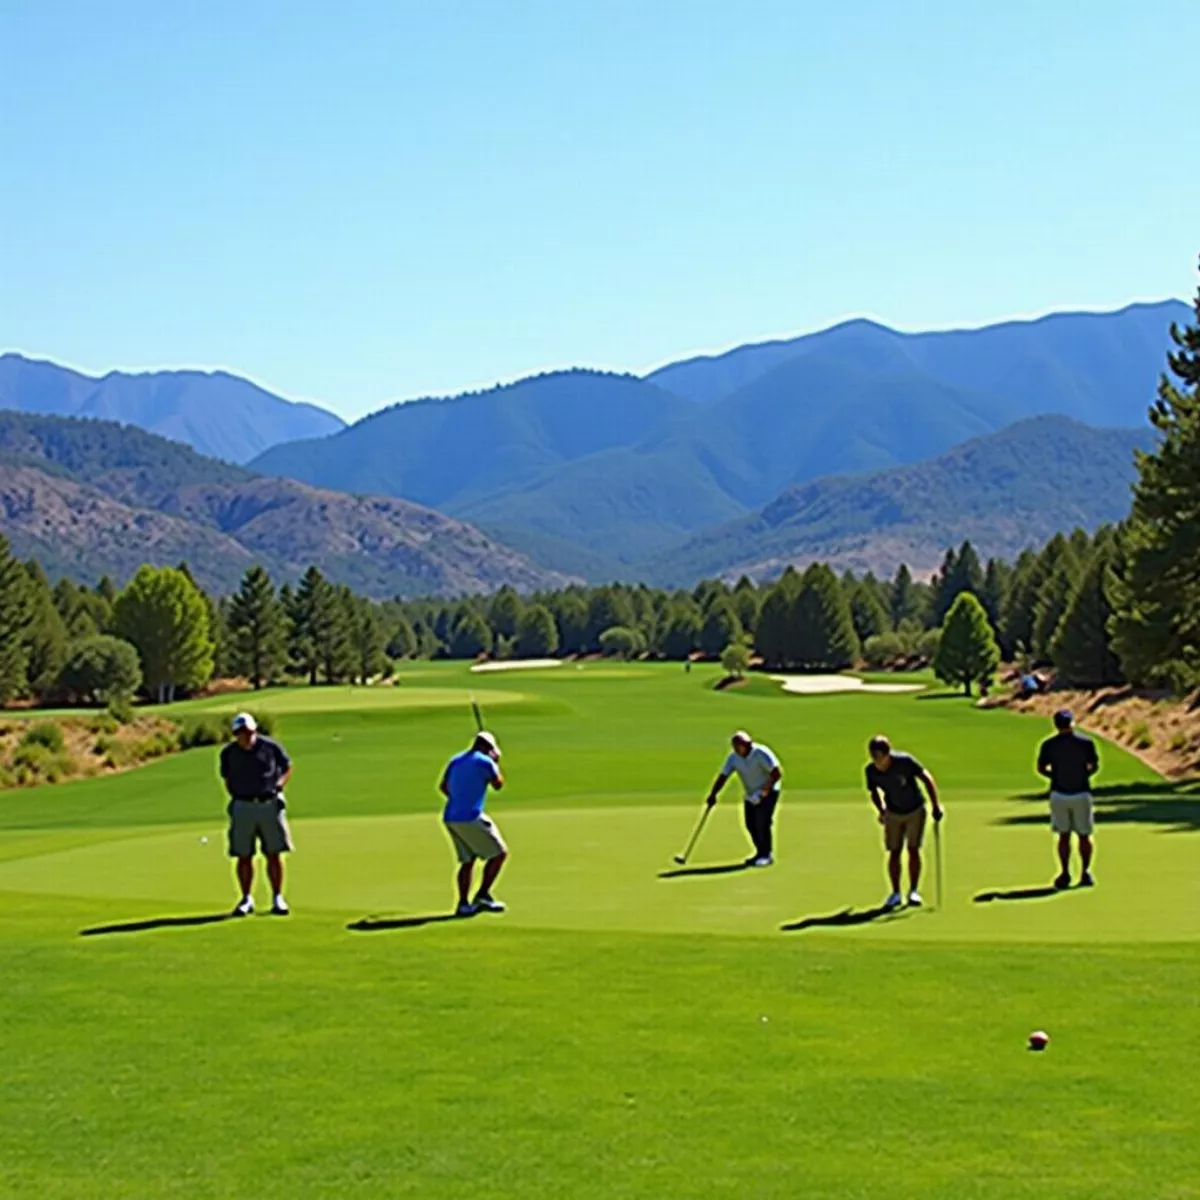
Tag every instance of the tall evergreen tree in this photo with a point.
(867, 611)
(967, 651)
(366, 637)
(821, 627)
(405, 641)
(46, 636)
(996, 578)
(504, 612)
(1082, 646)
(1156, 629)
(470, 635)
(746, 602)
(15, 616)
(537, 634)
(257, 629)
(772, 638)
(721, 625)
(1052, 602)
(961, 572)
(903, 597)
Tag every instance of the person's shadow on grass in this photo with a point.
(718, 869)
(847, 916)
(379, 924)
(1029, 893)
(156, 923)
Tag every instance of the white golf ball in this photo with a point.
(764, 1018)
(204, 841)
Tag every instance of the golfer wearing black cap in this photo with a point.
(1069, 760)
(255, 771)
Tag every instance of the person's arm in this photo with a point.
(285, 768)
(876, 795)
(444, 783)
(497, 777)
(772, 782)
(931, 787)
(715, 790)
(223, 768)
(1043, 762)
(1093, 762)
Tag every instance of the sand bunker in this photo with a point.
(827, 685)
(518, 664)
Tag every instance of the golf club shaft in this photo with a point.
(478, 714)
(937, 850)
(696, 833)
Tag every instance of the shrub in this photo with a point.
(7, 779)
(1140, 735)
(735, 659)
(886, 649)
(101, 668)
(34, 757)
(154, 746)
(104, 723)
(44, 733)
(201, 731)
(621, 642)
(121, 710)
(1180, 740)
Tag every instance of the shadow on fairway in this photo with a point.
(1173, 805)
(156, 923)
(721, 869)
(848, 916)
(1031, 893)
(378, 924)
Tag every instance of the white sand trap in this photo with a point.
(518, 664)
(827, 685)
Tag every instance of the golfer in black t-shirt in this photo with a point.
(1069, 760)
(892, 783)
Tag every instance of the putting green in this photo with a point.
(597, 869)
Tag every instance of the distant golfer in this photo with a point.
(464, 784)
(1069, 760)
(758, 769)
(256, 770)
(892, 783)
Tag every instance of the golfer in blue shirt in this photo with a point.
(464, 784)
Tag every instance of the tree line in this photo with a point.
(1119, 605)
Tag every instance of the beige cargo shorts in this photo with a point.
(476, 839)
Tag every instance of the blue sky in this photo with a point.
(368, 200)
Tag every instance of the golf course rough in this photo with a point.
(628, 1028)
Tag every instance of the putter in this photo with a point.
(682, 858)
(937, 854)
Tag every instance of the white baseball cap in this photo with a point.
(244, 721)
(488, 740)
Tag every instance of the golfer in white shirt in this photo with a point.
(758, 768)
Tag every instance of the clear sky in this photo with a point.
(361, 200)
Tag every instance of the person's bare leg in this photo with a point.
(465, 871)
(245, 875)
(275, 873)
(1085, 852)
(894, 870)
(914, 867)
(1064, 852)
(491, 869)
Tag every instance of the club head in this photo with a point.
(679, 858)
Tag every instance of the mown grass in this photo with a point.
(605, 1038)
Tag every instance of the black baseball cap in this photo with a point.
(1064, 718)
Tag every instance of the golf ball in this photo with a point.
(1039, 1039)
(204, 841)
(764, 1018)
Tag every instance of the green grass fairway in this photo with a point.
(626, 1030)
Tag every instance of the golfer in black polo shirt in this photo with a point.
(256, 770)
(1069, 760)
(892, 779)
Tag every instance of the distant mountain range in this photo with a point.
(88, 497)
(216, 413)
(597, 474)
(1005, 491)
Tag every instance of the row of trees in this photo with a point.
(1121, 604)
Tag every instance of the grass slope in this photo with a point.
(618, 1033)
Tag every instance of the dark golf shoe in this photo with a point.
(1062, 883)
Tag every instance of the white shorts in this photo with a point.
(1072, 814)
(476, 839)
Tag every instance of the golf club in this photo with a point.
(478, 714)
(937, 854)
(682, 858)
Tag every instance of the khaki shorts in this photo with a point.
(1072, 814)
(257, 823)
(476, 839)
(903, 829)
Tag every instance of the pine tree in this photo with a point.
(46, 639)
(15, 617)
(746, 603)
(1156, 630)
(721, 625)
(164, 617)
(537, 635)
(867, 611)
(967, 651)
(996, 578)
(609, 606)
(960, 573)
(1052, 602)
(821, 627)
(365, 637)
(571, 617)
(1082, 647)
(504, 612)
(257, 628)
(683, 629)
(772, 636)
(470, 635)
(404, 642)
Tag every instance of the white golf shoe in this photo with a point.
(244, 907)
(763, 860)
(279, 907)
(914, 899)
(488, 904)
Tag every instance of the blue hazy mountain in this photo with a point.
(218, 414)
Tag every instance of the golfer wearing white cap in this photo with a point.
(256, 770)
(758, 769)
(465, 782)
